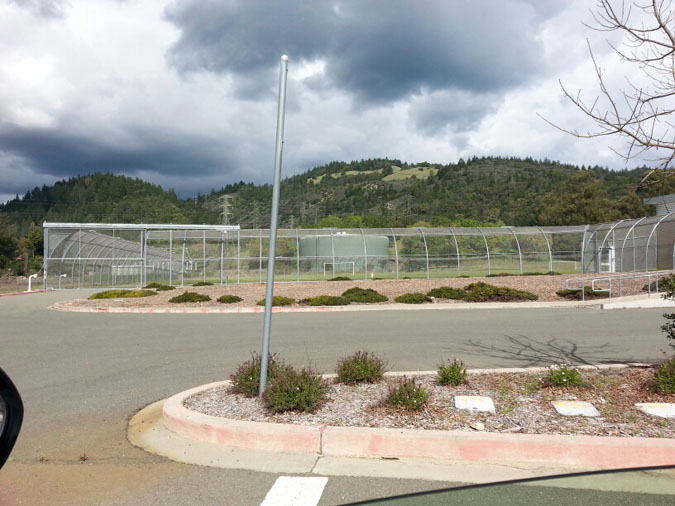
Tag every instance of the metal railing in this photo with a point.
(582, 283)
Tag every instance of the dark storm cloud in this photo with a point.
(54, 9)
(62, 154)
(457, 110)
(379, 50)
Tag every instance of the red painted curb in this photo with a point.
(14, 294)
(285, 438)
(597, 452)
(584, 451)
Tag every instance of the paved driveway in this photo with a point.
(83, 375)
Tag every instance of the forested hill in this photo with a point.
(98, 198)
(367, 193)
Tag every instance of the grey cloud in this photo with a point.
(380, 51)
(456, 110)
(62, 154)
(50, 9)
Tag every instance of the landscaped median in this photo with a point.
(477, 446)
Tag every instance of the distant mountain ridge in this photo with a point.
(369, 193)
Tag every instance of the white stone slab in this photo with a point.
(474, 403)
(575, 408)
(662, 409)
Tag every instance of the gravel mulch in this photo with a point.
(542, 286)
(522, 402)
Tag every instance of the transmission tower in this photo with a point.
(225, 209)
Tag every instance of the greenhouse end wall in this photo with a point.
(133, 255)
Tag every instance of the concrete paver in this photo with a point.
(661, 409)
(475, 403)
(575, 408)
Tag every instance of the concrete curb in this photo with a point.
(64, 306)
(14, 294)
(600, 452)
(632, 301)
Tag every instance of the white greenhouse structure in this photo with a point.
(79, 255)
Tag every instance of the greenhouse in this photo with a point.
(118, 255)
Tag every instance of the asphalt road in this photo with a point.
(83, 375)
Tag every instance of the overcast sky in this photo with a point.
(183, 93)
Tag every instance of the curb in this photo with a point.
(601, 452)
(627, 302)
(14, 294)
(64, 306)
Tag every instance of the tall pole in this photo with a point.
(269, 294)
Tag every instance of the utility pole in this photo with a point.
(269, 292)
(225, 209)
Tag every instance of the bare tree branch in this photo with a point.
(638, 114)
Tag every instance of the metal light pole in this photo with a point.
(269, 294)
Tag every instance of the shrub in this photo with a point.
(483, 292)
(447, 292)
(361, 367)
(363, 295)
(564, 376)
(229, 299)
(340, 278)
(295, 390)
(667, 285)
(278, 300)
(159, 287)
(189, 297)
(664, 377)
(122, 294)
(413, 298)
(575, 293)
(451, 373)
(549, 273)
(202, 283)
(246, 379)
(328, 300)
(407, 394)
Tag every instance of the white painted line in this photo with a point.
(295, 491)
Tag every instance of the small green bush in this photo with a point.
(664, 377)
(363, 295)
(361, 367)
(340, 278)
(451, 373)
(246, 379)
(122, 294)
(447, 292)
(408, 394)
(293, 390)
(202, 283)
(564, 376)
(413, 298)
(483, 292)
(500, 275)
(575, 293)
(229, 299)
(278, 300)
(159, 287)
(189, 297)
(328, 300)
(666, 285)
(549, 273)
